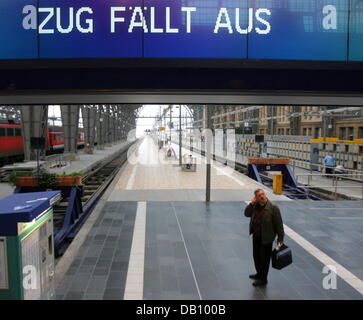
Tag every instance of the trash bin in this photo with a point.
(277, 183)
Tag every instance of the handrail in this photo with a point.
(335, 181)
(328, 174)
(332, 175)
(311, 186)
(321, 166)
(57, 159)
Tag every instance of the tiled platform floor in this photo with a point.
(194, 251)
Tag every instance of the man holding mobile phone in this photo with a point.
(265, 224)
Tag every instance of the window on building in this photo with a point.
(343, 133)
(360, 133)
(351, 133)
(305, 131)
(288, 131)
(2, 132)
(18, 132)
(317, 132)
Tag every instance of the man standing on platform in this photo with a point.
(265, 224)
(329, 164)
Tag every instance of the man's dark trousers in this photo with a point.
(261, 256)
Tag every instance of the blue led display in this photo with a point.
(302, 30)
(324, 30)
(83, 29)
(356, 31)
(16, 42)
(187, 29)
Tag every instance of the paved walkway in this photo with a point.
(194, 251)
(149, 177)
(182, 249)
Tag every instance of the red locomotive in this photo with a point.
(55, 138)
(12, 144)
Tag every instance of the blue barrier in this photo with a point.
(73, 218)
(290, 185)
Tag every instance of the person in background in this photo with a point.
(329, 164)
(189, 162)
(265, 224)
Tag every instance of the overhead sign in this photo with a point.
(356, 31)
(242, 29)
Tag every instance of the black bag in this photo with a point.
(281, 258)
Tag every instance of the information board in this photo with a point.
(323, 30)
(356, 31)
(16, 42)
(195, 29)
(30, 258)
(3, 264)
(302, 30)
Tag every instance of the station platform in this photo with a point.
(151, 177)
(87, 162)
(5, 190)
(348, 188)
(152, 236)
(84, 164)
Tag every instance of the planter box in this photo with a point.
(26, 182)
(61, 181)
(69, 181)
(269, 161)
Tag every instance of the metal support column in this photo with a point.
(34, 122)
(271, 112)
(89, 126)
(120, 131)
(70, 119)
(100, 129)
(295, 122)
(107, 123)
(114, 124)
(327, 124)
(208, 140)
(180, 137)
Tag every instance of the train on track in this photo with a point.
(12, 144)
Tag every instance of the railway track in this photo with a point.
(94, 185)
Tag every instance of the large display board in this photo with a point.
(356, 31)
(330, 30)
